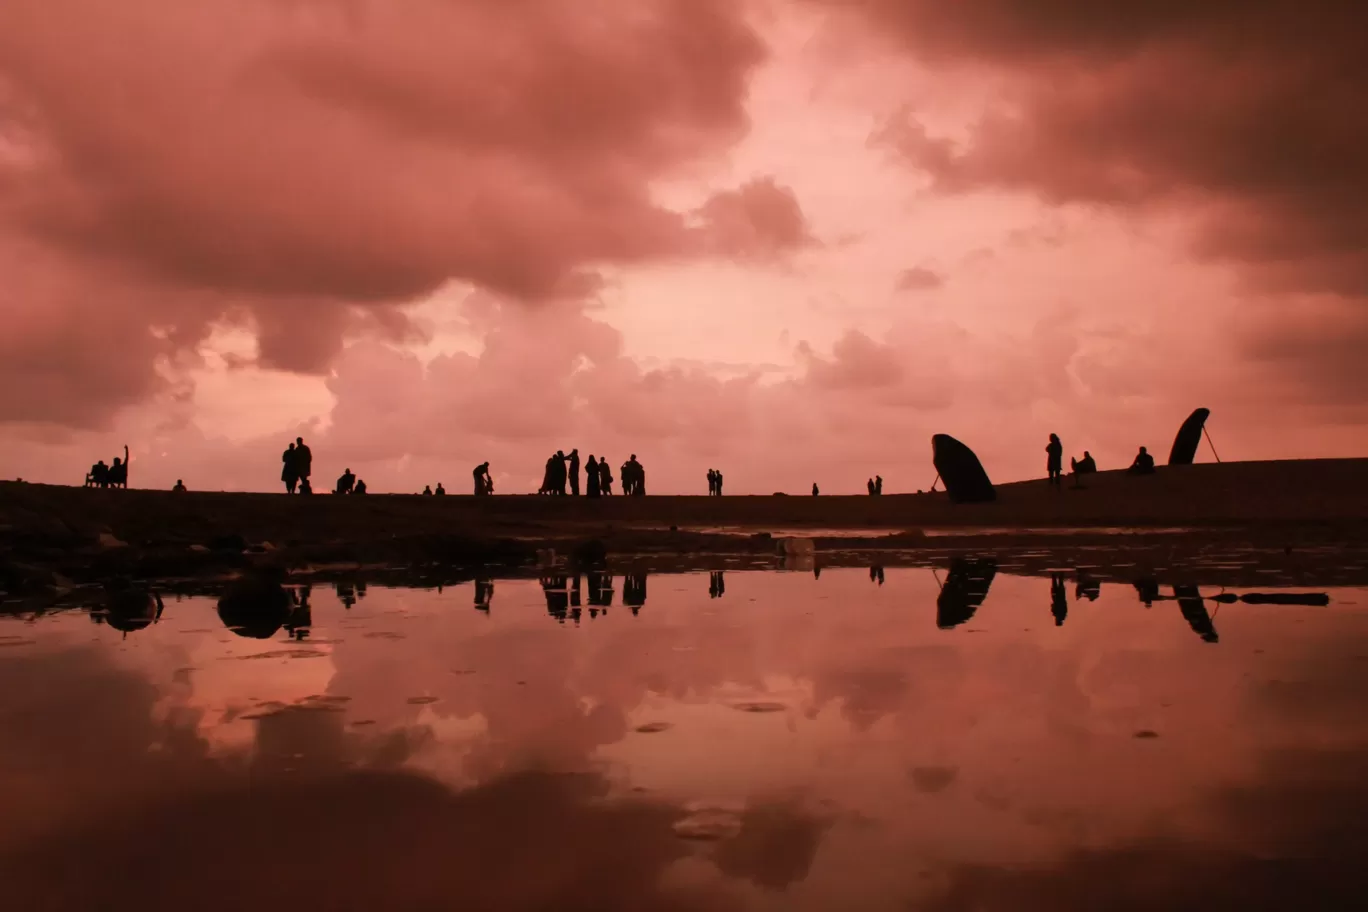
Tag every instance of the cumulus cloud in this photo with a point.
(1245, 118)
(307, 168)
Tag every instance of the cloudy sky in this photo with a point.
(790, 239)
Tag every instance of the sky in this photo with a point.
(788, 239)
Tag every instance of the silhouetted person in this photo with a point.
(484, 594)
(303, 459)
(118, 472)
(876, 574)
(427, 490)
(1086, 586)
(346, 482)
(301, 617)
(638, 477)
(712, 482)
(605, 478)
(869, 485)
(600, 589)
(878, 484)
(1143, 464)
(557, 599)
(591, 477)
(1054, 459)
(560, 475)
(441, 491)
(360, 487)
(717, 584)
(99, 476)
(718, 479)
(634, 591)
(1059, 599)
(289, 471)
(1086, 465)
(815, 492)
(1147, 588)
(480, 475)
(574, 472)
(305, 487)
(180, 486)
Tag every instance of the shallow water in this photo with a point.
(746, 740)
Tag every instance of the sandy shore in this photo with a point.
(91, 534)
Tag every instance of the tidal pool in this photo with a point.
(698, 741)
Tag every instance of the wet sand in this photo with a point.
(92, 535)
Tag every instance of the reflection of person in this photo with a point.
(1059, 599)
(717, 584)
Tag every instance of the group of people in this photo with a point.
(347, 483)
(297, 466)
(563, 471)
(1143, 464)
(875, 485)
(714, 483)
(428, 492)
(109, 476)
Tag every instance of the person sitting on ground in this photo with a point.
(346, 482)
(305, 487)
(99, 476)
(1143, 464)
(427, 490)
(441, 491)
(180, 486)
(360, 487)
(1085, 465)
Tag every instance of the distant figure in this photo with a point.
(574, 472)
(1143, 464)
(180, 486)
(560, 475)
(118, 472)
(1054, 460)
(305, 487)
(878, 485)
(427, 490)
(638, 477)
(481, 477)
(289, 472)
(605, 478)
(815, 492)
(870, 485)
(712, 482)
(717, 584)
(303, 460)
(441, 491)
(1084, 466)
(876, 574)
(1059, 599)
(718, 479)
(591, 477)
(346, 482)
(360, 487)
(99, 476)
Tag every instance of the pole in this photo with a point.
(1211, 444)
(933, 484)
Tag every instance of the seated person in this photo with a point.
(1085, 465)
(180, 486)
(99, 475)
(427, 490)
(360, 487)
(1143, 464)
(441, 491)
(345, 483)
(305, 487)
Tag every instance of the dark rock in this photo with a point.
(590, 552)
(229, 542)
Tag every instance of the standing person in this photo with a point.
(303, 460)
(815, 492)
(870, 485)
(605, 478)
(481, 474)
(718, 478)
(289, 472)
(1054, 459)
(878, 484)
(712, 483)
(591, 477)
(638, 477)
(574, 472)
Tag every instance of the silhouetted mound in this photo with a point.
(256, 606)
(1189, 437)
(965, 480)
(131, 610)
(964, 591)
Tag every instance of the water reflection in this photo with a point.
(813, 746)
